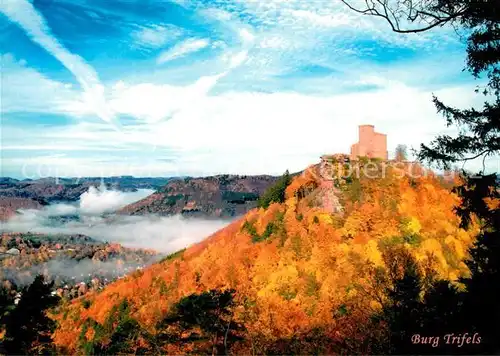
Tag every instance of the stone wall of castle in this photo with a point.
(371, 144)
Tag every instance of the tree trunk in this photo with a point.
(227, 332)
(214, 340)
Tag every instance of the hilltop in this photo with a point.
(304, 270)
(220, 196)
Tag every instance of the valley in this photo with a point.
(75, 233)
(75, 263)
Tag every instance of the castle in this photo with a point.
(371, 144)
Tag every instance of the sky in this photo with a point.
(181, 87)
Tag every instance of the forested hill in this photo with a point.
(221, 196)
(292, 277)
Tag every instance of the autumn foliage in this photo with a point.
(299, 272)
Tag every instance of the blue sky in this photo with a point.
(180, 87)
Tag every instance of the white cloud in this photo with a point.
(181, 49)
(102, 200)
(59, 147)
(229, 24)
(329, 20)
(274, 41)
(163, 234)
(218, 14)
(26, 90)
(25, 15)
(238, 59)
(316, 21)
(254, 133)
(183, 3)
(96, 201)
(246, 35)
(156, 36)
(155, 102)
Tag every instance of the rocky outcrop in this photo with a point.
(319, 188)
(329, 195)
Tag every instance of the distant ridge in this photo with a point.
(219, 196)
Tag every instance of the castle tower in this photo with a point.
(371, 144)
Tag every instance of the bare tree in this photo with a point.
(411, 16)
(401, 153)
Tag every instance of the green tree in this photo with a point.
(28, 328)
(481, 305)
(401, 311)
(6, 305)
(275, 193)
(210, 312)
(118, 334)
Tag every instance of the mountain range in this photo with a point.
(220, 196)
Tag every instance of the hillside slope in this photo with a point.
(216, 196)
(10, 205)
(301, 267)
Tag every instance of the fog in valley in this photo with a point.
(93, 215)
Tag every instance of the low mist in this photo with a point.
(75, 271)
(91, 216)
(101, 200)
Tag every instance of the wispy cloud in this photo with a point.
(329, 24)
(329, 20)
(181, 49)
(154, 102)
(156, 36)
(26, 90)
(27, 17)
(201, 134)
(311, 70)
